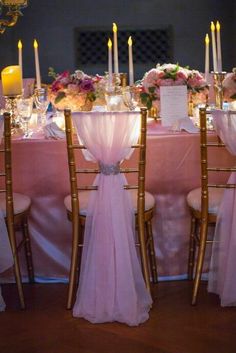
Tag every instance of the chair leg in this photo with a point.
(143, 250)
(28, 251)
(192, 248)
(74, 262)
(200, 259)
(151, 250)
(17, 273)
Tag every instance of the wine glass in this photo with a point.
(41, 101)
(24, 109)
(130, 97)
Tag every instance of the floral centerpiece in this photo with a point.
(171, 75)
(76, 91)
(229, 86)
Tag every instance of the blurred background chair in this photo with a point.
(204, 203)
(15, 208)
(76, 204)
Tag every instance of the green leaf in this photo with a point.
(151, 89)
(59, 97)
(52, 73)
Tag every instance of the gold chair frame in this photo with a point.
(143, 218)
(203, 218)
(15, 221)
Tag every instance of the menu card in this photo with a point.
(174, 104)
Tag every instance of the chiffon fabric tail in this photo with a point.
(111, 285)
(222, 279)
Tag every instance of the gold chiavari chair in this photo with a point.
(204, 203)
(76, 205)
(15, 208)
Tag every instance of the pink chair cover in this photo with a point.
(111, 286)
(223, 262)
(6, 258)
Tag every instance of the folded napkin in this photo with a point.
(53, 131)
(187, 125)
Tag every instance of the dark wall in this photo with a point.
(52, 23)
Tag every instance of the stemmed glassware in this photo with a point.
(24, 109)
(130, 97)
(41, 101)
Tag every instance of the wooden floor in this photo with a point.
(174, 326)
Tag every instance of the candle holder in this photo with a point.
(153, 113)
(123, 79)
(11, 106)
(218, 88)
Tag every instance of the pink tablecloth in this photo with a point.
(173, 169)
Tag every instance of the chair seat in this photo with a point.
(84, 195)
(21, 203)
(215, 196)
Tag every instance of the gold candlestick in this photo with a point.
(218, 88)
(11, 106)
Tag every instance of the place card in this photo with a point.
(174, 104)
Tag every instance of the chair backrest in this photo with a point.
(209, 170)
(7, 173)
(74, 145)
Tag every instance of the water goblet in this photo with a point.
(41, 101)
(130, 97)
(24, 109)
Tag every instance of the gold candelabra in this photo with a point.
(11, 107)
(12, 14)
(218, 88)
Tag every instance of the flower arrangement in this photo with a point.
(229, 86)
(76, 91)
(169, 75)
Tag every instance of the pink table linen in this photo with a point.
(223, 262)
(111, 286)
(173, 169)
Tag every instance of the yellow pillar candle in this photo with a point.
(20, 56)
(219, 55)
(11, 81)
(37, 68)
(115, 45)
(213, 40)
(131, 64)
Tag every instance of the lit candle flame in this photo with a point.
(212, 26)
(19, 44)
(130, 42)
(114, 28)
(35, 44)
(218, 26)
(109, 43)
(207, 40)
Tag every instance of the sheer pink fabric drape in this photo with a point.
(222, 278)
(111, 286)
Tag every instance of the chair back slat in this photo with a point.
(75, 170)
(205, 169)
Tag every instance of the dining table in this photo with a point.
(172, 169)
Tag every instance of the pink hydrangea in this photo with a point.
(229, 86)
(169, 75)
